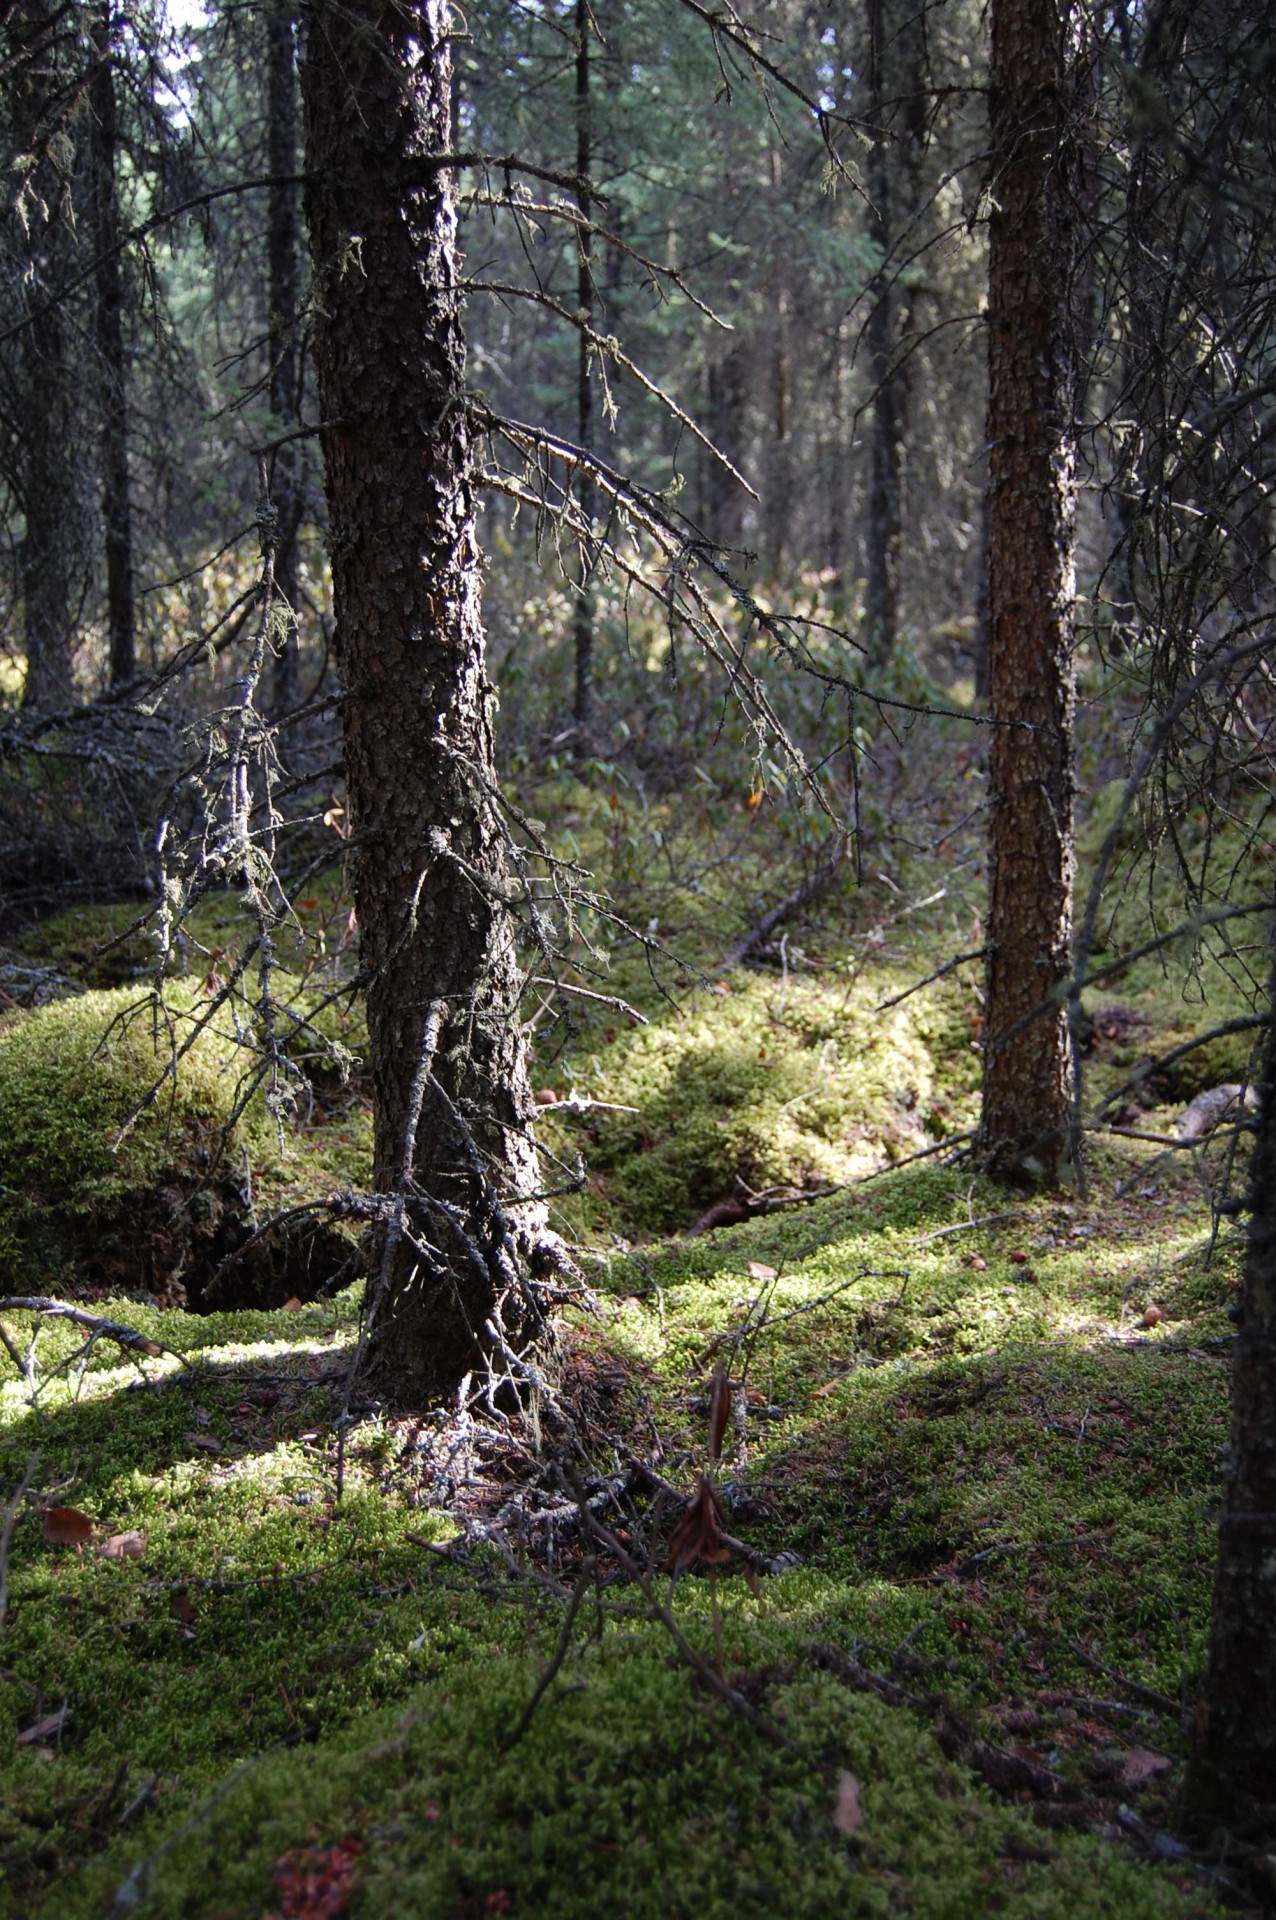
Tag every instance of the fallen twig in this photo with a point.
(970, 1226)
(792, 904)
(547, 1679)
(1135, 1688)
(96, 1324)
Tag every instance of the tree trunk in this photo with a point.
(283, 246)
(583, 607)
(116, 510)
(49, 476)
(452, 1105)
(1033, 362)
(1232, 1770)
(894, 189)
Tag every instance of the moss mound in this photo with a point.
(767, 1085)
(134, 1145)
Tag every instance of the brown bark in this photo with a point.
(48, 476)
(583, 607)
(283, 247)
(116, 507)
(896, 82)
(452, 1104)
(1033, 360)
(1232, 1771)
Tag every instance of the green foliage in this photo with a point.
(991, 1473)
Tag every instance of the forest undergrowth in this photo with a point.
(269, 1647)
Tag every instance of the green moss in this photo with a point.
(762, 1084)
(113, 1165)
(630, 1796)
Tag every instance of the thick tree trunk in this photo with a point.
(1033, 360)
(452, 1104)
(1232, 1772)
(116, 508)
(283, 247)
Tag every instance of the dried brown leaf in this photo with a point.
(758, 1270)
(123, 1546)
(66, 1527)
(848, 1815)
(698, 1535)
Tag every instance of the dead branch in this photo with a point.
(94, 1323)
(789, 907)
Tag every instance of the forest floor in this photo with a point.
(260, 1661)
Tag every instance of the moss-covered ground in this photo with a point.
(973, 1458)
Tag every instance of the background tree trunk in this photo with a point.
(583, 603)
(284, 266)
(897, 110)
(452, 1104)
(116, 508)
(1032, 359)
(49, 476)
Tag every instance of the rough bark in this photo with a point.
(113, 362)
(897, 110)
(283, 247)
(48, 476)
(583, 606)
(452, 1105)
(1033, 359)
(1232, 1771)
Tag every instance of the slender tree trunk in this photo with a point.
(897, 97)
(121, 614)
(283, 246)
(886, 486)
(452, 1104)
(1031, 509)
(1232, 1771)
(583, 608)
(50, 475)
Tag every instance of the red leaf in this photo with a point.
(66, 1527)
(315, 1883)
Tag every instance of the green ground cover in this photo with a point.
(976, 1444)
